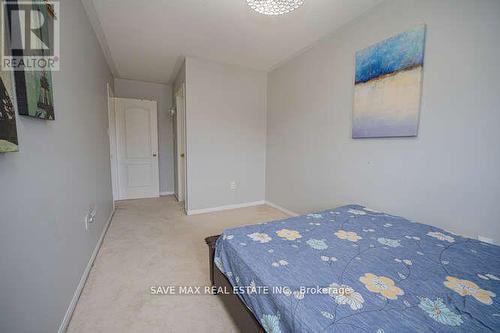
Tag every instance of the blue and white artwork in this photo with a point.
(388, 86)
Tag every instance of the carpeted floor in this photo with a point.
(152, 242)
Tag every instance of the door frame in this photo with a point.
(112, 142)
(117, 154)
(181, 162)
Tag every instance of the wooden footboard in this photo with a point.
(241, 315)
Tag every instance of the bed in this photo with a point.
(354, 269)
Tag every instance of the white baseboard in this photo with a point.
(284, 210)
(165, 193)
(227, 207)
(69, 312)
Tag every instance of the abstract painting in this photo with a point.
(8, 129)
(388, 85)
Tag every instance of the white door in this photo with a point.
(181, 144)
(137, 148)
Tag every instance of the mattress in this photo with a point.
(354, 269)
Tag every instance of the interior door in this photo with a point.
(137, 148)
(181, 144)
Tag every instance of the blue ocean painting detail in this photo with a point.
(388, 85)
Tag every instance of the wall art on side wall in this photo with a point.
(388, 86)
(8, 129)
(34, 90)
(34, 94)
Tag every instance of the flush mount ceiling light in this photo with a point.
(275, 7)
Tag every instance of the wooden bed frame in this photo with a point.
(242, 316)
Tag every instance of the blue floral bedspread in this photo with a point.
(400, 276)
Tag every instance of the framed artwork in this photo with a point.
(8, 129)
(34, 94)
(34, 90)
(388, 86)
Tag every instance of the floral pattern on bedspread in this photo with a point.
(402, 276)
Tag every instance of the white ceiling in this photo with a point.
(148, 39)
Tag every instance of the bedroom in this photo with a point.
(336, 123)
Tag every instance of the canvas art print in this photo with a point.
(388, 86)
(34, 94)
(34, 88)
(8, 130)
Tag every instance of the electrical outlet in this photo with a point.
(90, 217)
(486, 239)
(233, 186)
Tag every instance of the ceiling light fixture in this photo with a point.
(275, 7)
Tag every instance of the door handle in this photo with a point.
(182, 155)
(154, 154)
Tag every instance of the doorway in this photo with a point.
(180, 121)
(136, 126)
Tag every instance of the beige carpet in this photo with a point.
(151, 242)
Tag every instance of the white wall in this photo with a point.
(163, 95)
(226, 134)
(448, 176)
(46, 188)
